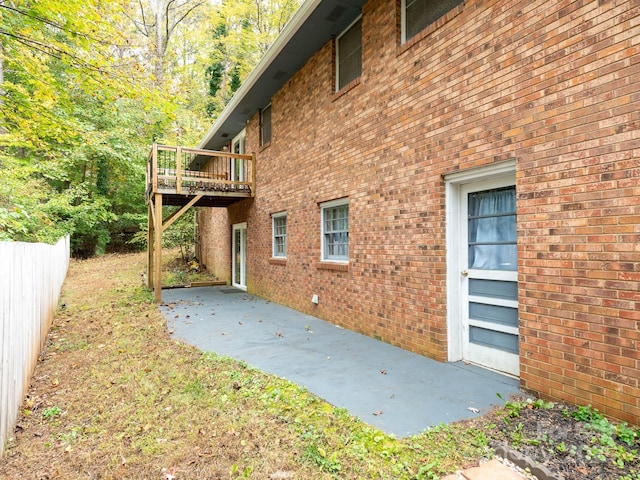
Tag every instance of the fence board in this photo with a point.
(31, 277)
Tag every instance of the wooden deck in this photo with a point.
(188, 177)
(180, 174)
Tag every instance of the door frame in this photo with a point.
(453, 187)
(238, 145)
(243, 255)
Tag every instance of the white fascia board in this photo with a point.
(289, 30)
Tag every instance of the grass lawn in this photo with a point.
(114, 397)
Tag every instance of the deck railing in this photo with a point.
(190, 171)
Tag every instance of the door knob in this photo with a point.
(464, 273)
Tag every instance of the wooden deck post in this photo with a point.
(154, 168)
(150, 241)
(157, 281)
(253, 173)
(178, 169)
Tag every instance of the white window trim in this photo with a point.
(273, 235)
(330, 204)
(403, 21)
(239, 140)
(337, 85)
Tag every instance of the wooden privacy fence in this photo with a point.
(31, 276)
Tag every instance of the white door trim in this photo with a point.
(238, 145)
(454, 183)
(242, 285)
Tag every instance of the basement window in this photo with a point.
(279, 229)
(335, 230)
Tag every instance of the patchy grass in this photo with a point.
(113, 396)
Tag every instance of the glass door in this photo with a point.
(239, 256)
(238, 165)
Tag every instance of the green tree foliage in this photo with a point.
(86, 86)
(76, 120)
(241, 35)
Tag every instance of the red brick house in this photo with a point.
(458, 178)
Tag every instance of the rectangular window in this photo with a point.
(349, 54)
(335, 230)
(279, 228)
(419, 14)
(492, 230)
(265, 125)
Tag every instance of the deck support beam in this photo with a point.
(150, 249)
(157, 241)
(178, 213)
(157, 226)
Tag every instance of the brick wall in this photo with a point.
(553, 84)
(214, 241)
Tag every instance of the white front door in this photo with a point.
(239, 256)
(483, 276)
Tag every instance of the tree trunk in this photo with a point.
(161, 41)
(3, 130)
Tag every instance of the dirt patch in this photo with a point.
(573, 443)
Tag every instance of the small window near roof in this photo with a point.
(279, 223)
(265, 125)
(335, 230)
(349, 54)
(419, 14)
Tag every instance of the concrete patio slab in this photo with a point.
(397, 391)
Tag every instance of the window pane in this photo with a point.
(350, 55)
(265, 124)
(280, 236)
(336, 233)
(419, 14)
(493, 339)
(492, 230)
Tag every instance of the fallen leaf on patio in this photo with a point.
(176, 315)
(379, 412)
(473, 409)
